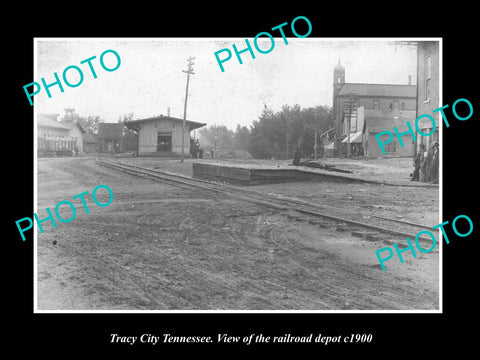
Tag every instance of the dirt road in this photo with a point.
(159, 247)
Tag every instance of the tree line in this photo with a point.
(273, 134)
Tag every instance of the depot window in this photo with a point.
(391, 147)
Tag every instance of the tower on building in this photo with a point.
(339, 74)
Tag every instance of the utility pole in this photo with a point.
(189, 71)
(349, 123)
(287, 143)
(350, 102)
(315, 126)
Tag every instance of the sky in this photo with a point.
(150, 78)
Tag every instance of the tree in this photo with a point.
(260, 147)
(318, 119)
(130, 130)
(241, 138)
(217, 136)
(91, 123)
(277, 134)
(264, 134)
(130, 133)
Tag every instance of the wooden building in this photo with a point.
(48, 126)
(72, 120)
(54, 134)
(377, 121)
(90, 143)
(110, 138)
(367, 123)
(162, 135)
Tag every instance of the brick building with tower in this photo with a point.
(384, 106)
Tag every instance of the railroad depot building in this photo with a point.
(162, 135)
(383, 106)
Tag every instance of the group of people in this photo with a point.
(195, 150)
(356, 149)
(426, 164)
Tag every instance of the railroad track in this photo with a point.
(297, 208)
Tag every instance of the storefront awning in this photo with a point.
(354, 138)
(330, 146)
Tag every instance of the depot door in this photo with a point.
(164, 141)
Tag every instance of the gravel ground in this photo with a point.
(419, 204)
(159, 247)
(391, 170)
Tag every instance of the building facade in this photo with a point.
(72, 121)
(49, 127)
(110, 138)
(428, 90)
(90, 143)
(163, 135)
(378, 121)
(379, 103)
(54, 134)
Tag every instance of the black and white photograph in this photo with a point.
(230, 180)
(209, 175)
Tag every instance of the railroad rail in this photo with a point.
(301, 207)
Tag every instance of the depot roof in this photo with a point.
(110, 131)
(191, 124)
(45, 121)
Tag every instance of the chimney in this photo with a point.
(409, 79)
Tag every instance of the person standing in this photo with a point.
(433, 166)
(416, 163)
(428, 163)
(423, 165)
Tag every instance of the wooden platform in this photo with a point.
(162, 154)
(257, 176)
